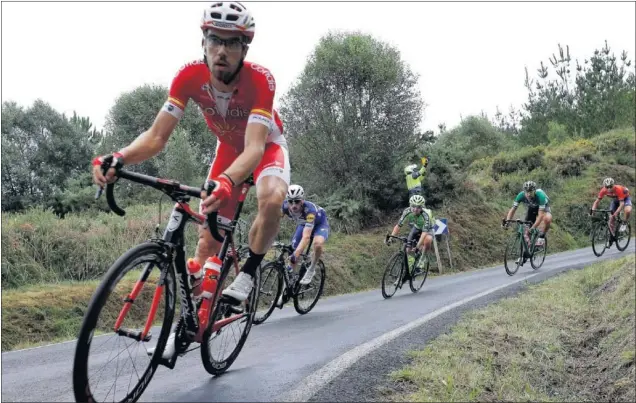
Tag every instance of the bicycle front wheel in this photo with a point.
(600, 236)
(306, 296)
(392, 275)
(514, 249)
(129, 307)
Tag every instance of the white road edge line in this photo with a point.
(317, 380)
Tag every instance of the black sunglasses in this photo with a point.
(231, 44)
(295, 201)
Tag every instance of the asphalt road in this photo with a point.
(341, 350)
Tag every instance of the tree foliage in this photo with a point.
(351, 117)
(41, 148)
(586, 98)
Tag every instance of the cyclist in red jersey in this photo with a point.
(236, 98)
(621, 200)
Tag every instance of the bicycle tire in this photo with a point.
(600, 230)
(320, 268)
(412, 286)
(542, 254)
(513, 247)
(626, 234)
(387, 271)
(272, 266)
(211, 365)
(125, 263)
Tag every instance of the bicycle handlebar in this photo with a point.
(401, 238)
(519, 221)
(283, 246)
(167, 186)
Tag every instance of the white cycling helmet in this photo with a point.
(229, 16)
(417, 201)
(529, 186)
(409, 168)
(607, 182)
(295, 192)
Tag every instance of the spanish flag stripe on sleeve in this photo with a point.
(176, 101)
(262, 112)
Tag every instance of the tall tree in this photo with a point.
(41, 149)
(586, 98)
(351, 116)
(135, 111)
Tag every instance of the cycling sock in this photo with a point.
(252, 263)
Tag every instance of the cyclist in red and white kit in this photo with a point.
(236, 98)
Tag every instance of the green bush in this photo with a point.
(528, 159)
(39, 247)
(571, 158)
(619, 145)
(557, 133)
(512, 183)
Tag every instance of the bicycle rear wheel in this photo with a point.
(513, 249)
(271, 287)
(416, 281)
(302, 293)
(227, 322)
(118, 284)
(600, 236)
(623, 236)
(393, 274)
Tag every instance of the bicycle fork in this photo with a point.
(144, 335)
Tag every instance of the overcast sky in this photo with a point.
(470, 56)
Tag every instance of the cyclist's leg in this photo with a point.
(272, 177)
(627, 209)
(531, 215)
(208, 246)
(426, 241)
(320, 236)
(296, 238)
(411, 239)
(613, 207)
(546, 222)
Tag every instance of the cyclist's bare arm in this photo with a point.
(511, 213)
(255, 140)
(304, 241)
(146, 145)
(396, 230)
(596, 202)
(152, 141)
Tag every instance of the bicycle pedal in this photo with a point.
(230, 301)
(168, 363)
(236, 309)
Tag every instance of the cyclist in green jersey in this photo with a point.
(420, 223)
(538, 209)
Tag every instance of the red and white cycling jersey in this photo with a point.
(228, 114)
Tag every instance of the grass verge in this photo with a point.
(570, 338)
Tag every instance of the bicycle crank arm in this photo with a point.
(305, 290)
(134, 334)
